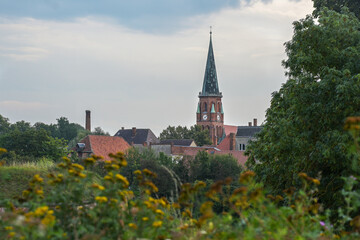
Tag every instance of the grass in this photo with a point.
(14, 177)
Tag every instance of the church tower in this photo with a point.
(210, 114)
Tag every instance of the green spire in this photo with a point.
(212, 108)
(210, 85)
(198, 108)
(222, 111)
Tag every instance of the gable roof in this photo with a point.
(230, 129)
(137, 136)
(178, 142)
(103, 145)
(247, 131)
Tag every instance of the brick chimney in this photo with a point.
(250, 124)
(255, 122)
(88, 121)
(133, 131)
(232, 141)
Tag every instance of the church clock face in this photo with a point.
(205, 117)
(218, 117)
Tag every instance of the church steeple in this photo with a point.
(210, 84)
(210, 114)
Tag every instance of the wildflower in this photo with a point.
(3, 150)
(122, 179)
(77, 166)
(246, 176)
(61, 165)
(157, 224)
(40, 211)
(39, 192)
(25, 193)
(90, 160)
(37, 178)
(158, 211)
(11, 234)
(81, 175)
(8, 228)
(315, 181)
(95, 185)
(133, 225)
(113, 200)
(115, 166)
(66, 159)
(49, 219)
(101, 199)
(149, 173)
(137, 172)
(145, 219)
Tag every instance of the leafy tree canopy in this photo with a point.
(201, 137)
(303, 131)
(337, 5)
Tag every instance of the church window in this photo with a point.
(205, 107)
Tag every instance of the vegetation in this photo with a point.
(304, 131)
(201, 137)
(337, 5)
(113, 211)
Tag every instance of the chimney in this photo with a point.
(133, 131)
(255, 122)
(122, 128)
(88, 121)
(232, 141)
(250, 124)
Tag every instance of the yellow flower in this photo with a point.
(39, 192)
(9, 228)
(137, 172)
(2, 150)
(158, 211)
(82, 175)
(90, 160)
(66, 159)
(145, 219)
(157, 224)
(77, 166)
(49, 219)
(114, 200)
(115, 166)
(122, 179)
(95, 185)
(133, 225)
(11, 234)
(315, 181)
(101, 199)
(40, 211)
(37, 178)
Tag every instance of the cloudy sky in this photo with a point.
(140, 63)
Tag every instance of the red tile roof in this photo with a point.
(230, 129)
(225, 143)
(103, 145)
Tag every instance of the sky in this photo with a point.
(140, 63)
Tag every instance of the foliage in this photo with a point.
(337, 5)
(115, 212)
(213, 167)
(303, 130)
(99, 131)
(27, 141)
(201, 137)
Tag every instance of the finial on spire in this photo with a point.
(210, 30)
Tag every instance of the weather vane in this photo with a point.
(210, 30)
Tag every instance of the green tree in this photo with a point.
(99, 131)
(337, 5)
(34, 143)
(303, 131)
(201, 137)
(4, 125)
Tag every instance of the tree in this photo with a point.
(303, 131)
(201, 137)
(99, 131)
(337, 5)
(4, 125)
(34, 143)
